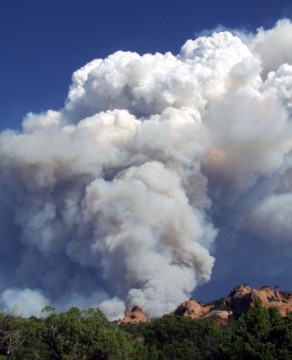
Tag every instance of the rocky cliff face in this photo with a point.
(240, 299)
(243, 297)
(134, 316)
(192, 309)
(195, 310)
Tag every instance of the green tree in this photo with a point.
(252, 338)
(281, 334)
(177, 338)
(86, 335)
(13, 333)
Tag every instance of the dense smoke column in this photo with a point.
(155, 165)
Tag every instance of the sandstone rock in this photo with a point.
(192, 309)
(243, 297)
(239, 301)
(134, 316)
(218, 314)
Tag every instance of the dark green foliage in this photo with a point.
(85, 334)
(259, 334)
(262, 334)
(182, 338)
(74, 334)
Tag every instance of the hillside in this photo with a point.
(237, 302)
(247, 324)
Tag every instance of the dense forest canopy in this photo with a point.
(260, 333)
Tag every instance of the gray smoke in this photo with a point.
(156, 164)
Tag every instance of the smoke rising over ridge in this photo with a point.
(156, 166)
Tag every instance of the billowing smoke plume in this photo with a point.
(155, 165)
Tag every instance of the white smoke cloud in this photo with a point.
(274, 45)
(272, 218)
(117, 199)
(23, 301)
(114, 308)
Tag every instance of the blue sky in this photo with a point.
(43, 42)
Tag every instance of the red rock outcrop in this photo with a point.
(218, 314)
(239, 301)
(134, 316)
(192, 309)
(243, 297)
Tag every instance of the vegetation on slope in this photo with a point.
(260, 333)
